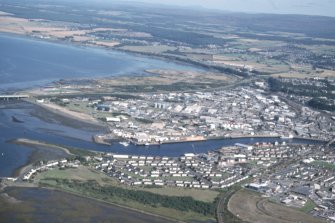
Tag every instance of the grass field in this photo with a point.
(251, 207)
(149, 49)
(82, 173)
(309, 206)
(306, 73)
(325, 165)
(201, 195)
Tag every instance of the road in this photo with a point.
(221, 205)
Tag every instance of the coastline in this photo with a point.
(166, 58)
(178, 61)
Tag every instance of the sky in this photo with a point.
(306, 7)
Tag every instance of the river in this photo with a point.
(52, 131)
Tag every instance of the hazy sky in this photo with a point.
(308, 7)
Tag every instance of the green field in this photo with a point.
(309, 206)
(82, 173)
(325, 165)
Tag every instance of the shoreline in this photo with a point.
(119, 51)
(168, 59)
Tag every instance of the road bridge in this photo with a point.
(13, 96)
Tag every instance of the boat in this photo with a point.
(125, 144)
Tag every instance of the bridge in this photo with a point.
(8, 179)
(13, 96)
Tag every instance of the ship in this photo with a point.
(125, 144)
(287, 137)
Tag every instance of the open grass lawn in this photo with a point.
(325, 165)
(197, 194)
(309, 206)
(82, 173)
